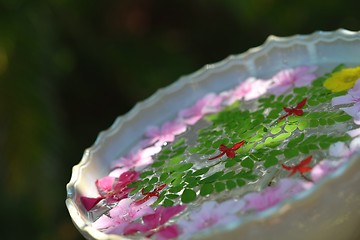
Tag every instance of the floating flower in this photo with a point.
(211, 103)
(110, 189)
(210, 214)
(352, 97)
(302, 167)
(153, 224)
(343, 79)
(230, 152)
(251, 88)
(166, 133)
(340, 150)
(138, 158)
(289, 78)
(297, 111)
(270, 196)
(123, 214)
(324, 168)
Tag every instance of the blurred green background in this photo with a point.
(69, 68)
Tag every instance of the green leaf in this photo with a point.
(240, 182)
(270, 161)
(219, 186)
(255, 138)
(172, 196)
(301, 90)
(158, 164)
(201, 171)
(304, 149)
(303, 124)
(228, 175)
(178, 143)
(295, 141)
(206, 189)
(230, 184)
(247, 175)
(290, 153)
(248, 163)
(188, 196)
(230, 162)
(167, 203)
(217, 143)
(175, 160)
(314, 123)
(166, 151)
(290, 128)
(176, 189)
(343, 118)
(183, 167)
(324, 145)
(162, 157)
(275, 130)
(159, 200)
(212, 177)
(153, 180)
(194, 150)
(331, 121)
(164, 176)
(282, 137)
(322, 121)
(148, 188)
(180, 151)
(145, 174)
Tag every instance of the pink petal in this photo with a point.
(355, 144)
(121, 209)
(169, 212)
(117, 229)
(324, 168)
(168, 232)
(153, 220)
(352, 111)
(105, 184)
(341, 100)
(354, 133)
(355, 91)
(104, 222)
(152, 132)
(134, 228)
(278, 90)
(339, 149)
(143, 209)
(89, 203)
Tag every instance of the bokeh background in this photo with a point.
(69, 68)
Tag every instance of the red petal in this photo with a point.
(287, 167)
(286, 109)
(217, 156)
(236, 146)
(306, 161)
(301, 104)
(230, 154)
(298, 112)
(159, 188)
(89, 203)
(223, 148)
(304, 169)
(281, 118)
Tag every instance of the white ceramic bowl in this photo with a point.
(329, 210)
